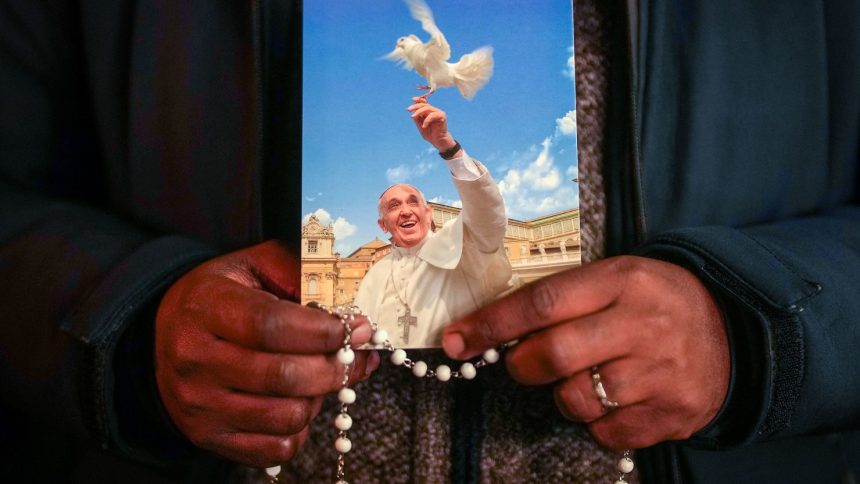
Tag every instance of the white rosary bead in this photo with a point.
(346, 395)
(343, 421)
(468, 371)
(625, 465)
(343, 445)
(345, 356)
(420, 369)
(379, 336)
(491, 356)
(273, 471)
(398, 357)
(443, 373)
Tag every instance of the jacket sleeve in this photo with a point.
(78, 277)
(749, 178)
(76, 281)
(789, 291)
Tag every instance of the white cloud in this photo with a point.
(342, 228)
(398, 174)
(423, 168)
(566, 125)
(536, 186)
(569, 70)
(321, 213)
(549, 181)
(531, 183)
(447, 201)
(311, 199)
(403, 173)
(541, 174)
(562, 199)
(511, 183)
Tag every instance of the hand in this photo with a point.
(652, 328)
(240, 369)
(432, 124)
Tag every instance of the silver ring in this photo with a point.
(608, 405)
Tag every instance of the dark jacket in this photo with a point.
(138, 139)
(744, 150)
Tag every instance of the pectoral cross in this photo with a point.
(406, 321)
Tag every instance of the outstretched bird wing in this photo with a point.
(438, 47)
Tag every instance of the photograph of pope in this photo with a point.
(431, 278)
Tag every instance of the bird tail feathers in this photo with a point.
(473, 71)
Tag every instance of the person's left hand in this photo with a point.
(651, 327)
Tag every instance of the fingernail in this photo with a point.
(372, 363)
(453, 344)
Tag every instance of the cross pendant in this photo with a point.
(406, 321)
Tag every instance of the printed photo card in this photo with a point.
(439, 156)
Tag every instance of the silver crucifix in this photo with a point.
(406, 321)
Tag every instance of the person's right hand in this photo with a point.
(432, 124)
(241, 368)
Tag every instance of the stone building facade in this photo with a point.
(319, 262)
(352, 269)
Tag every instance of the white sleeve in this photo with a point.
(464, 168)
(483, 210)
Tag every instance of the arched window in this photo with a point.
(313, 287)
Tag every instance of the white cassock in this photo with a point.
(449, 274)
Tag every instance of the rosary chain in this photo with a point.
(398, 357)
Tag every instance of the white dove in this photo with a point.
(430, 59)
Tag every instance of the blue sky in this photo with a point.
(358, 137)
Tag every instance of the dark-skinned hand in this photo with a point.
(651, 327)
(242, 368)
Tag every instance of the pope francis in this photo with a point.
(432, 278)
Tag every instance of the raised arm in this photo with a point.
(483, 211)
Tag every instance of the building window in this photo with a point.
(312, 247)
(313, 287)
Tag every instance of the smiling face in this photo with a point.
(404, 214)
